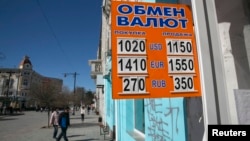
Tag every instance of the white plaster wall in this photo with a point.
(230, 72)
(246, 32)
(243, 105)
(233, 11)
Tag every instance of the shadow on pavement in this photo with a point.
(86, 117)
(3, 119)
(14, 114)
(88, 140)
(10, 116)
(91, 140)
(73, 125)
(83, 125)
(75, 117)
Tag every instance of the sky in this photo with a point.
(59, 36)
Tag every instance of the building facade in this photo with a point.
(222, 30)
(15, 83)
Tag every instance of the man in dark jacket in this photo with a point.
(64, 122)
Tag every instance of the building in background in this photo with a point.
(15, 83)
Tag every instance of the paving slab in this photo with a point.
(33, 126)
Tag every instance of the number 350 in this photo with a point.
(183, 83)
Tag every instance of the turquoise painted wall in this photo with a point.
(109, 106)
(165, 119)
(125, 119)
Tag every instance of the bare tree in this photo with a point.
(63, 99)
(79, 96)
(88, 97)
(45, 95)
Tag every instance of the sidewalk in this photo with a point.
(89, 130)
(32, 126)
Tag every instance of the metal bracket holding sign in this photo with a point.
(153, 51)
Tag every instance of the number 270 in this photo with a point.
(133, 84)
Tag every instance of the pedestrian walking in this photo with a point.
(54, 121)
(82, 113)
(89, 109)
(64, 122)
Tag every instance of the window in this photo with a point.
(24, 94)
(26, 73)
(27, 65)
(10, 93)
(25, 82)
(139, 115)
(11, 83)
(7, 82)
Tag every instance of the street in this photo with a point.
(32, 126)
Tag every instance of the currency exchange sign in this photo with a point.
(154, 51)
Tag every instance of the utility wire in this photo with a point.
(53, 33)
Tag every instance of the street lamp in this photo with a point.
(74, 75)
